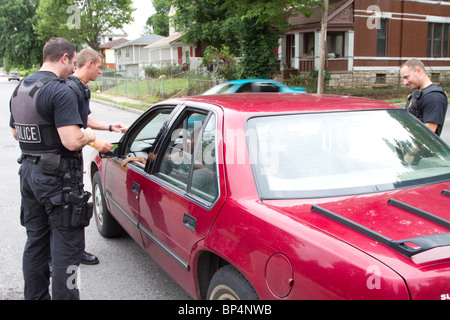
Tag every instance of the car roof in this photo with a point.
(242, 81)
(287, 102)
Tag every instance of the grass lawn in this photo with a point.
(151, 90)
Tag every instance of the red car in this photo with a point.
(286, 196)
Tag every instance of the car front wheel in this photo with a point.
(107, 226)
(229, 284)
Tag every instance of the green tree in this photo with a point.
(206, 21)
(258, 42)
(250, 28)
(82, 21)
(225, 63)
(160, 20)
(272, 12)
(263, 22)
(19, 45)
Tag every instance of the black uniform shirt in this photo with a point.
(434, 107)
(429, 105)
(56, 102)
(83, 95)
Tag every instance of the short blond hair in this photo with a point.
(413, 64)
(86, 55)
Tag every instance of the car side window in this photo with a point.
(143, 142)
(204, 175)
(267, 87)
(189, 161)
(247, 87)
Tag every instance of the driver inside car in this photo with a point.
(203, 178)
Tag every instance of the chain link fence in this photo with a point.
(381, 86)
(161, 88)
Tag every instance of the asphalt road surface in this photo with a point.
(125, 270)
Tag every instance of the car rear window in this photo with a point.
(343, 153)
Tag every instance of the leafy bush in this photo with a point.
(308, 81)
(225, 64)
(152, 72)
(257, 44)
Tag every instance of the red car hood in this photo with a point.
(408, 230)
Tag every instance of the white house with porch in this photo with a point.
(132, 57)
(169, 51)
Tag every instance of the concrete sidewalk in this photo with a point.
(119, 102)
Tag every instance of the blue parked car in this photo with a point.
(252, 85)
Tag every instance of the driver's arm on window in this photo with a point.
(138, 159)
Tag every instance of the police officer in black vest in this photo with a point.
(428, 102)
(55, 209)
(89, 66)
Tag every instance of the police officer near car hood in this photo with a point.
(55, 210)
(89, 66)
(428, 102)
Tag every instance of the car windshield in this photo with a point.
(219, 89)
(343, 153)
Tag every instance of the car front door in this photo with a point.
(179, 204)
(123, 183)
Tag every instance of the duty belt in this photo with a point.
(32, 159)
(52, 164)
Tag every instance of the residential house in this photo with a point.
(132, 57)
(170, 50)
(108, 53)
(111, 36)
(368, 41)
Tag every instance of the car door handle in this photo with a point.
(189, 222)
(136, 188)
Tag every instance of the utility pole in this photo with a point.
(323, 43)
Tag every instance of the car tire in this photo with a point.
(229, 284)
(107, 225)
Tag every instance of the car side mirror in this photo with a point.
(111, 153)
(108, 154)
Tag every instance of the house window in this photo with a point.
(381, 38)
(380, 78)
(290, 39)
(308, 44)
(437, 41)
(127, 52)
(335, 44)
(435, 77)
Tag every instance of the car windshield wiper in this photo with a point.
(420, 249)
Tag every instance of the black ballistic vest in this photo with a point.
(414, 106)
(35, 134)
